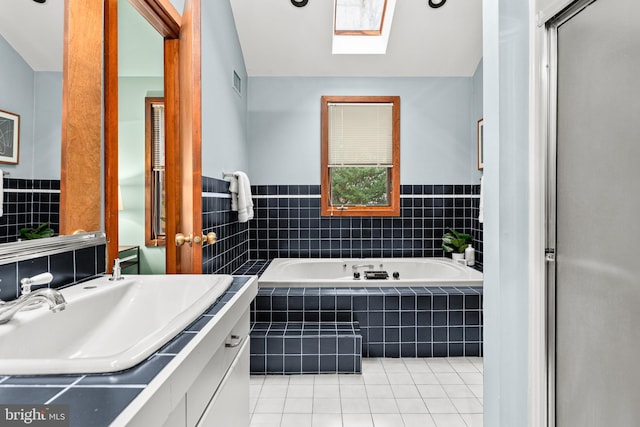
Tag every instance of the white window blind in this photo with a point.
(158, 136)
(157, 141)
(360, 134)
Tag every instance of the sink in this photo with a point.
(107, 326)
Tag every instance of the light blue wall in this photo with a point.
(141, 69)
(436, 146)
(476, 100)
(131, 155)
(17, 96)
(48, 125)
(178, 4)
(37, 98)
(224, 112)
(506, 109)
(140, 47)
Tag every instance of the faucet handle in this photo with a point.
(40, 279)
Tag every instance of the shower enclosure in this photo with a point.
(593, 215)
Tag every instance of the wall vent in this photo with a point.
(237, 83)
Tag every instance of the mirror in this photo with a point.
(31, 48)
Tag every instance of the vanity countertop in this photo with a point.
(98, 399)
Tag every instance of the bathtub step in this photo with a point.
(306, 348)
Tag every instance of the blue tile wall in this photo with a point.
(67, 268)
(393, 322)
(306, 348)
(28, 203)
(232, 248)
(288, 224)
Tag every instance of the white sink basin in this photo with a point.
(107, 326)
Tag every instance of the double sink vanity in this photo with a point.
(140, 351)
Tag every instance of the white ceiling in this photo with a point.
(35, 31)
(279, 39)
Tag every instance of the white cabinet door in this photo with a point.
(230, 405)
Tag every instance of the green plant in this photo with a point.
(43, 230)
(455, 241)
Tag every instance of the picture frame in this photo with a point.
(480, 146)
(9, 137)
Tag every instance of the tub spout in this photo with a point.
(52, 297)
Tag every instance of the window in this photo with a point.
(154, 172)
(355, 17)
(360, 155)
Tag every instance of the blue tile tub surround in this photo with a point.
(253, 267)
(393, 322)
(67, 268)
(232, 248)
(306, 348)
(288, 224)
(97, 399)
(29, 203)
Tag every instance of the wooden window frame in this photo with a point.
(149, 238)
(370, 32)
(394, 193)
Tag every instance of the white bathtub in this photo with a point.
(304, 272)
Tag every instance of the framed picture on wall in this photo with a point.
(480, 147)
(9, 137)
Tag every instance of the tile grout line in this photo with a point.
(48, 402)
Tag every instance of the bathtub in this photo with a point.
(304, 272)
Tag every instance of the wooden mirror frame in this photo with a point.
(80, 178)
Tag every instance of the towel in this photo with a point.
(241, 200)
(481, 210)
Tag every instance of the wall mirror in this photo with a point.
(31, 48)
(58, 175)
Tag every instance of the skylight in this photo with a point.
(362, 26)
(359, 17)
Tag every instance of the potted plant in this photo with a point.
(43, 230)
(455, 243)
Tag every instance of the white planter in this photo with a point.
(457, 256)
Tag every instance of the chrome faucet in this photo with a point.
(52, 297)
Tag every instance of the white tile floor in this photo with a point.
(432, 392)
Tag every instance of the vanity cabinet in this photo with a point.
(220, 394)
(207, 383)
(230, 404)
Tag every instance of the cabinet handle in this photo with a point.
(234, 342)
